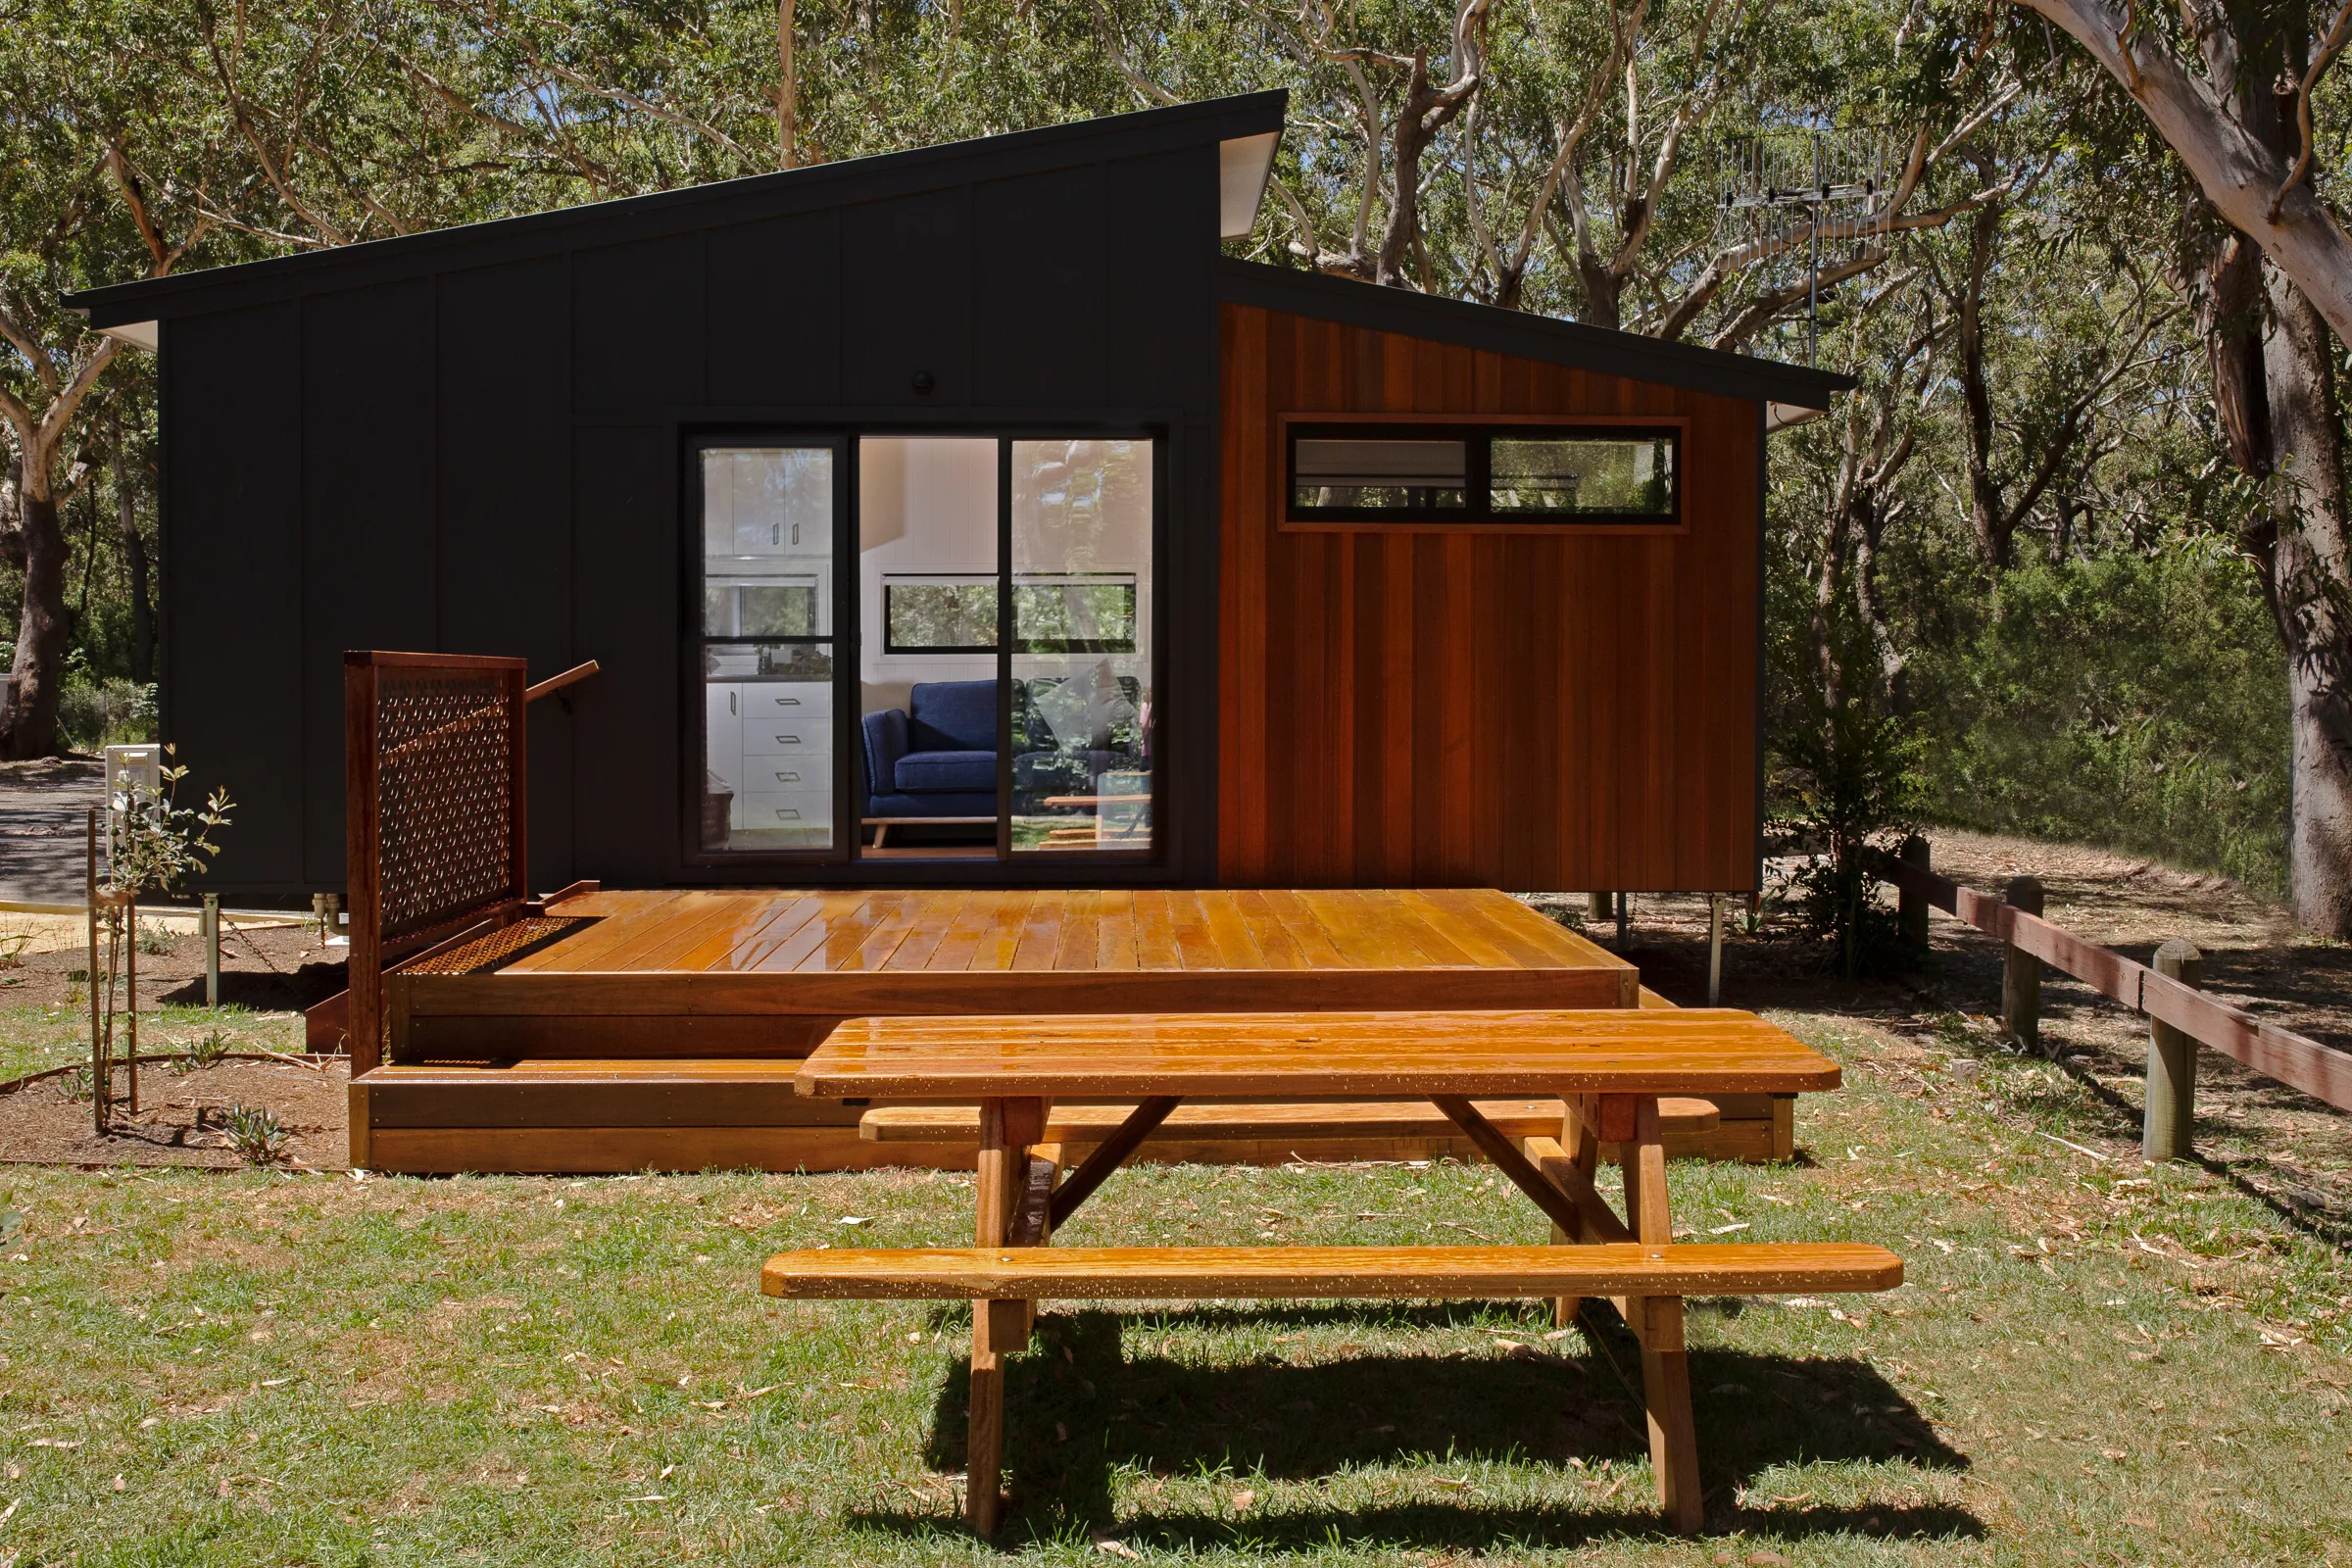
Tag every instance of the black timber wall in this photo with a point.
(482, 456)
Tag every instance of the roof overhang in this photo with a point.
(1245, 165)
(1245, 130)
(1789, 393)
(138, 334)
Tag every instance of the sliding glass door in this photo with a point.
(1079, 661)
(765, 643)
(974, 683)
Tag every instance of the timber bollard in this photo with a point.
(1911, 905)
(2169, 1125)
(1714, 950)
(210, 920)
(2021, 972)
(1600, 906)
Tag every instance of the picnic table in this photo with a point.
(1608, 1067)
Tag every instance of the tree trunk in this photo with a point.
(134, 565)
(1987, 514)
(1603, 289)
(2310, 589)
(30, 722)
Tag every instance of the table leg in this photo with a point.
(1665, 1361)
(1007, 1127)
(1580, 1139)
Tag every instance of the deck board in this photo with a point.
(711, 957)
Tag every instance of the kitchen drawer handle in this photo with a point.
(788, 740)
(787, 702)
(788, 814)
(788, 778)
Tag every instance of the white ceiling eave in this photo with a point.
(138, 334)
(1778, 416)
(1244, 165)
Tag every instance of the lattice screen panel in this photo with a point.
(444, 777)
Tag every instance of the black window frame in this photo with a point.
(1477, 437)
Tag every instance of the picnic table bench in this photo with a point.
(1609, 1070)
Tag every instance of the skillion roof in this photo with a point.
(1245, 129)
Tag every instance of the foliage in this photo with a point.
(2135, 701)
(93, 713)
(255, 1133)
(1845, 782)
(152, 842)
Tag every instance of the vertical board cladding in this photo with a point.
(906, 300)
(504, 472)
(1524, 710)
(232, 578)
(775, 333)
(370, 569)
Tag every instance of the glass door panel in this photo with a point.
(766, 649)
(1081, 656)
(928, 603)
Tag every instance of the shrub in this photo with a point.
(255, 1133)
(95, 712)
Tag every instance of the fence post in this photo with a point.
(1600, 906)
(211, 921)
(1911, 905)
(2169, 1126)
(2021, 972)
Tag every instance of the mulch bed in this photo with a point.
(179, 1114)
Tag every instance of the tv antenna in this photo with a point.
(1817, 191)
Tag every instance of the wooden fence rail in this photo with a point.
(2293, 1059)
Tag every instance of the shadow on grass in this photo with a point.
(1079, 1410)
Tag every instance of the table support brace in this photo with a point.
(1110, 1154)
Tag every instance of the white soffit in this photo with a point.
(138, 334)
(1778, 416)
(1244, 165)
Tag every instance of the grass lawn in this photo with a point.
(2093, 1362)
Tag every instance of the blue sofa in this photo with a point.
(938, 756)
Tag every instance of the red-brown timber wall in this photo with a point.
(1530, 711)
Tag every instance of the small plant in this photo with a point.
(75, 1084)
(211, 1051)
(12, 948)
(155, 941)
(255, 1133)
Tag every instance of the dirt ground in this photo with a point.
(179, 1114)
(269, 968)
(2292, 1152)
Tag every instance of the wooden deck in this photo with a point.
(769, 973)
(636, 1029)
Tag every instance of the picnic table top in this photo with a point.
(1613, 1051)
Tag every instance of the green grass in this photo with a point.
(538, 1372)
(34, 1039)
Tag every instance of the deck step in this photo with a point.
(565, 1092)
(1207, 1121)
(1191, 1273)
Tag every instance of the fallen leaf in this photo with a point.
(1764, 1559)
(1726, 1230)
(1242, 1500)
(118, 1483)
(1110, 1544)
(853, 1219)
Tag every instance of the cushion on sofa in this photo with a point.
(951, 715)
(927, 773)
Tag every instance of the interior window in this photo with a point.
(1402, 474)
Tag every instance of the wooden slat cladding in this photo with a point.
(1515, 711)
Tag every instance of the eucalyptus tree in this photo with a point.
(2236, 92)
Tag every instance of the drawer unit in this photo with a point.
(785, 809)
(768, 698)
(788, 737)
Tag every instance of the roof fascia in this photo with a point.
(1529, 337)
(750, 197)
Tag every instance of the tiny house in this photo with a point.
(966, 516)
